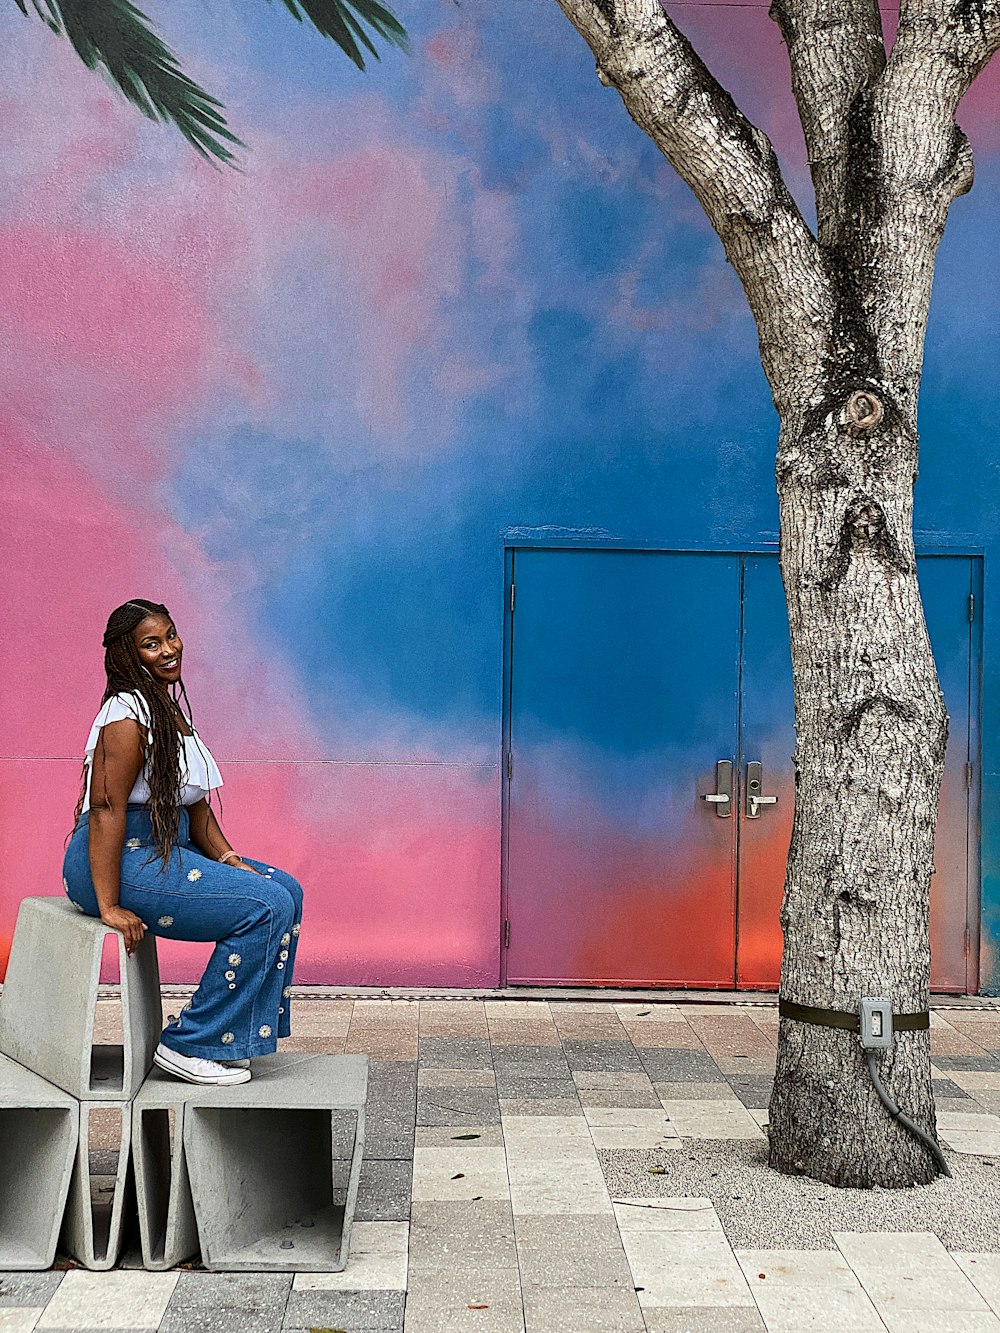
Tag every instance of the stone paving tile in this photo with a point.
(448, 1018)
(967, 1063)
(249, 1291)
(530, 1062)
(108, 1300)
(537, 1106)
(977, 1133)
(704, 1319)
(455, 1053)
(732, 1036)
(609, 1056)
(808, 1291)
(354, 1310)
(459, 1172)
(474, 1236)
(19, 1318)
(384, 1191)
(28, 1289)
(448, 1136)
(377, 1261)
(715, 1119)
(674, 1268)
(906, 1272)
(983, 1271)
(457, 1106)
(488, 1302)
(698, 1092)
(522, 1086)
(622, 1127)
(753, 1091)
(456, 1078)
(976, 1080)
(665, 1064)
(222, 1320)
(676, 1036)
(624, 1097)
(746, 1066)
(582, 1309)
(509, 1034)
(584, 1251)
(946, 1087)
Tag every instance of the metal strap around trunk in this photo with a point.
(843, 1018)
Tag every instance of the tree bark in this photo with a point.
(841, 319)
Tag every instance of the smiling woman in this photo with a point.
(147, 785)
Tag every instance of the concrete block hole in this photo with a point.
(35, 1146)
(270, 1185)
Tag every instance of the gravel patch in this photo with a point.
(761, 1209)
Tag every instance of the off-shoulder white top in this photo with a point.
(199, 771)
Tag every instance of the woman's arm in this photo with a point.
(209, 838)
(117, 763)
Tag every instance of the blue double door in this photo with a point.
(650, 786)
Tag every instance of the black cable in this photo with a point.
(933, 1147)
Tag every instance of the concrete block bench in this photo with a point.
(49, 1000)
(264, 1174)
(39, 1132)
(96, 1213)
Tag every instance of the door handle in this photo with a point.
(755, 781)
(722, 797)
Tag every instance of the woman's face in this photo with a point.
(159, 647)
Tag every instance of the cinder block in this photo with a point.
(49, 997)
(263, 1158)
(100, 1193)
(39, 1129)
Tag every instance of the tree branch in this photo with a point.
(732, 169)
(836, 52)
(920, 162)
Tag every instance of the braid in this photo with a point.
(127, 675)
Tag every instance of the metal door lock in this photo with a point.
(755, 781)
(722, 797)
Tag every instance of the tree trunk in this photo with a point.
(871, 730)
(840, 316)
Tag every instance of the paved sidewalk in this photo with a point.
(565, 1167)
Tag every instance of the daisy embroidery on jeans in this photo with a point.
(194, 875)
(265, 1031)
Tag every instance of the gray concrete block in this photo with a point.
(263, 1157)
(49, 997)
(168, 1231)
(39, 1130)
(98, 1205)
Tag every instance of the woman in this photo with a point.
(147, 853)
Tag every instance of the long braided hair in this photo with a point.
(127, 675)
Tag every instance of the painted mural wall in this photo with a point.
(446, 305)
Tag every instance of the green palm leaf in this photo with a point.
(116, 36)
(343, 21)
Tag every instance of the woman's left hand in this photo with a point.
(242, 865)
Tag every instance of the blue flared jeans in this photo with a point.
(242, 1004)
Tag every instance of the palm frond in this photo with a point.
(345, 22)
(116, 36)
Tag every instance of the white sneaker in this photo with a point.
(235, 1064)
(193, 1070)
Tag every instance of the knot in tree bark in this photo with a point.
(865, 519)
(863, 413)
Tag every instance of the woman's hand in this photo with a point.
(242, 865)
(120, 918)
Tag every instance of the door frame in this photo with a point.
(540, 539)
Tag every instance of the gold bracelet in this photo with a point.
(226, 855)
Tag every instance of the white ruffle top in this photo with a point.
(199, 771)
